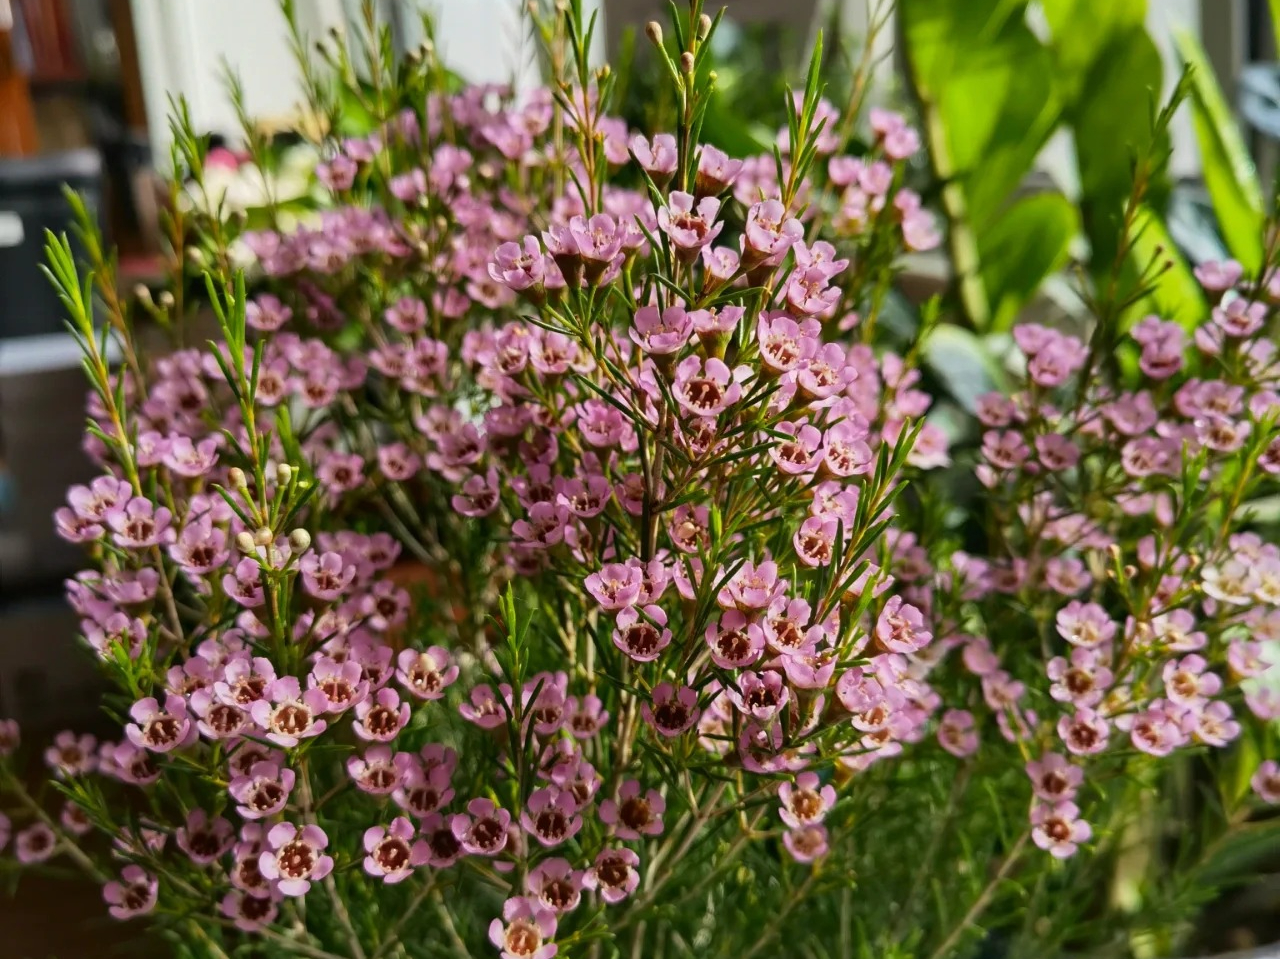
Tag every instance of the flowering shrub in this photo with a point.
(693, 652)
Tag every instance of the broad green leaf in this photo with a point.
(978, 66)
(1027, 244)
(1229, 174)
(1080, 29)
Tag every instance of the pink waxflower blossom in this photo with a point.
(1217, 276)
(784, 343)
(551, 816)
(556, 885)
(380, 717)
(393, 852)
(689, 224)
(956, 733)
(642, 638)
(377, 771)
(72, 755)
(1156, 730)
(203, 838)
(900, 628)
(1082, 681)
(133, 894)
(769, 234)
(1054, 778)
(705, 389)
(716, 171)
(482, 829)
(805, 802)
(289, 715)
(294, 858)
(632, 814)
(35, 844)
(10, 736)
(1266, 782)
(426, 674)
(616, 586)
(806, 843)
(525, 930)
(614, 874)
(735, 642)
(141, 524)
(1084, 733)
(659, 158)
(250, 913)
(1057, 828)
(1085, 624)
(326, 575)
(753, 586)
(1187, 681)
(262, 792)
(661, 333)
(338, 685)
(760, 695)
(673, 711)
(161, 729)
(484, 709)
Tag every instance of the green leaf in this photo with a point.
(963, 363)
(1229, 174)
(1017, 252)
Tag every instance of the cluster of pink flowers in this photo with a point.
(623, 398)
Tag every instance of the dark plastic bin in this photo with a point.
(32, 201)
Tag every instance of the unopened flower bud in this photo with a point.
(244, 542)
(704, 26)
(686, 63)
(165, 300)
(237, 478)
(653, 30)
(299, 540)
(263, 536)
(142, 293)
(284, 473)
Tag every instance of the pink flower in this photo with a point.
(633, 815)
(705, 389)
(71, 755)
(392, 851)
(203, 839)
(658, 159)
(289, 715)
(1053, 777)
(769, 234)
(133, 894)
(376, 772)
(784, 343)
(734, 641)
(524, 930)
(10, 736)
(338, 685)
(421, 791)
(325, 576)
(613, 874)
(249, 913)
(642, 639)
(806, 801)
(381, 717)
(1057, 828)
(555, 884)
(1156, 730)
(690, 226)
(661, 334)
(806, 843)
(1084, 733)
(1266, 782)
(802, 453)
(615, 586)
(263, 792)
(1187, 681)
(35, 844)
(716, 172)
(140, 524)
(190, 459)
(482, 829)
(752, 587)
(1085, 624)
(485, 709)
(672, 711)
(426, 674)
(551, 816)
(956, 733)
(159, 729)
(1083, 682)
(295, 858)
(1217, 276)
(900, 628)
(760, 695)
